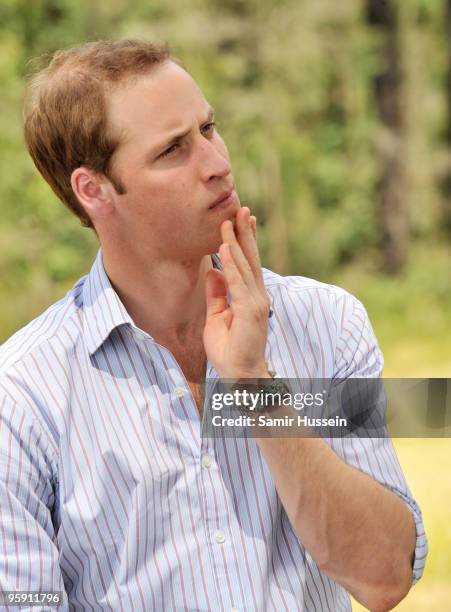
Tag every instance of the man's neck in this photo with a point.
(166, 298)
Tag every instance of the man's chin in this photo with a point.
(214, 248)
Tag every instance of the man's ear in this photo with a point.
(94, 192)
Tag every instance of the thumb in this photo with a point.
(215, 292)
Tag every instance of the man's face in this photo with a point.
(173, 165)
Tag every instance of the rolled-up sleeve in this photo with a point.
(358, 355)
(421, 547)
(28, 552)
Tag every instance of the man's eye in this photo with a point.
(169, 150)
(208, 128)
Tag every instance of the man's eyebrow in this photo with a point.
(176, 137)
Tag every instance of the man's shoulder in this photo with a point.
(56, 326)
(329, 320)
(309, 293)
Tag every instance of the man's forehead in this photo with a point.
(158, 103)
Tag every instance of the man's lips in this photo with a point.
(223, 200)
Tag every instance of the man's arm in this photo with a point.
(28, 554)
(358, 531)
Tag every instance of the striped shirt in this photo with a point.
(110, 494)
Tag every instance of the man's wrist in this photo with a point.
(261, 373)
(271, 391)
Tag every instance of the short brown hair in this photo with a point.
(66, 110)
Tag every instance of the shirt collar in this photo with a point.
(103, 309)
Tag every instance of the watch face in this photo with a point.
(278, 387)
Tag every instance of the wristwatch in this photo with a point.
(277, 386)
(268, 391)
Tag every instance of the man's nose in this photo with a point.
(213, 162)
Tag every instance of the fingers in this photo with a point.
(247, 238)
(238, 288)
(230, 237)
(241, 261)
(244, 247)
(254, 226)
(216, 292)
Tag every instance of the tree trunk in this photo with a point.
(392, 208)
(446, 182)
(448, 76)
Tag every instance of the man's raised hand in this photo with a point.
(235, 336)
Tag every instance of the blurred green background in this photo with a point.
(338, 119)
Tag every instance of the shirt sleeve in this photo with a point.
(358, 355)
(28, 551)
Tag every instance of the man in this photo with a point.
(109, 492)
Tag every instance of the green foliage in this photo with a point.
(292, 83)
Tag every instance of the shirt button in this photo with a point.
(179, 391)
(207, 461)
(219, 537)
